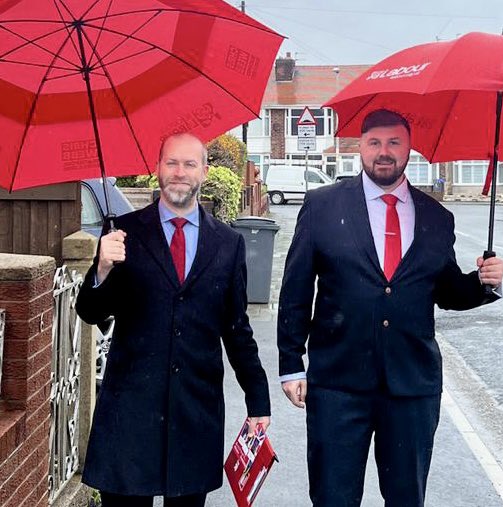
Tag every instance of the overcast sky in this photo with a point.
(329, 32)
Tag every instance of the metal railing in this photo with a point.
(65, 376)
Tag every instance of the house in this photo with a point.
(272, 139)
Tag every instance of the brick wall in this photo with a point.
(26, 295)
(349, 145)
(278, 133)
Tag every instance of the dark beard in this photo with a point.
(385, 180)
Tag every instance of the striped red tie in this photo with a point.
(392, 235)
(177, 247)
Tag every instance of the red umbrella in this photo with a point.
(89, 84)
(451, 94)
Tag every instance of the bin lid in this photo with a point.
(255, 223)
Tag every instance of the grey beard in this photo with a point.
(181, 199)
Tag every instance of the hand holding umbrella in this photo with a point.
(112, 251)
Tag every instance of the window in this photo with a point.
(331, 166)
(262, 162)
(313, 177)
(348, 164)
(418, 170)
(313, 160)
(260, 126)
(90, 212)
(473, 172)
(293, 116)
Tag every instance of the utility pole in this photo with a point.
(245, 125)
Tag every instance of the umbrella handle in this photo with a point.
(109, 219)
(488, 290)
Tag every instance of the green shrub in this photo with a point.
(228, 151)
(223, 187)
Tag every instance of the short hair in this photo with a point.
(165, 139)
(383, 118)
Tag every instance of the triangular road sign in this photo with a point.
(306, 118)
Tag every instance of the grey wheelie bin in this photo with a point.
(259, 235)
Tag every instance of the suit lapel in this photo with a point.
(420, 231)
(359, 216)
(152, 236)
(207, 246)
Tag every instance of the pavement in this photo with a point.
(466, 468)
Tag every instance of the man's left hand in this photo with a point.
(265, 421)
(490, 270)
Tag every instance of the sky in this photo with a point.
(337, 32)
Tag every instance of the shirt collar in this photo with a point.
(373, 191)
(166, 214)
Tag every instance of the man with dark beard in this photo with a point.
(382, 253)
(174, 278)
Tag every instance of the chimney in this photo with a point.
(285, 67)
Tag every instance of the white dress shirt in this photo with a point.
(377, 214)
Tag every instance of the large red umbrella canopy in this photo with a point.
(447, 91)
(148, 68)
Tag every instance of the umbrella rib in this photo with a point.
(261, 28)
(185, 62)
(30, 64)
(124, 58)
(125, 39)
(91, 7)
(454, 100)
(66, 26)
(121, 105)
(67, 9)
(93, 52)
(32, 111)
(70, 74)
(33, 42)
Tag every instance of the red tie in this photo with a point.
(177, 247)
(393, 240)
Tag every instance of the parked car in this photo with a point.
(93, 204)
(342, 177)
(92, 219)
(288, 182)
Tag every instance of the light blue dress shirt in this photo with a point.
(190, 229)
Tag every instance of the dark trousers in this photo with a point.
(112, 500)
(340, 426)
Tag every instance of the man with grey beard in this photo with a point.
(174, 278)
(381, 253)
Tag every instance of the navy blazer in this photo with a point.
(366, 331)
(158, 426)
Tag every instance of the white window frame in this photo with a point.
(417, 162)
(262, 164)
(265, 124)
(459, 178)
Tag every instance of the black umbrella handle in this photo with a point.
(109, 220)
(488, 289)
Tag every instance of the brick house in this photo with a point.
(272, 139)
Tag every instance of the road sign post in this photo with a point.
(306, 137)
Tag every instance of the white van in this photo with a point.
(286, 182)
